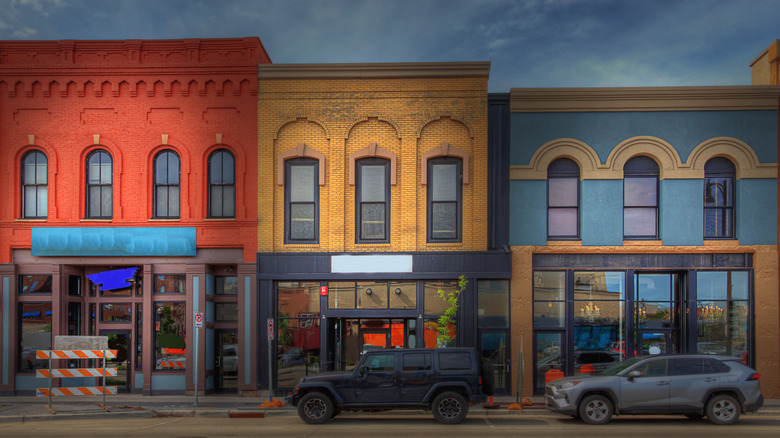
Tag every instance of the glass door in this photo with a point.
(658, 300)
(226, 368)
(494, 347)
(118, 340)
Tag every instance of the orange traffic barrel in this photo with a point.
(552, 374)
(587, 369)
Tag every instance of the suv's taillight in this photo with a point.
(754, 376)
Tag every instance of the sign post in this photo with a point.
(270, 359)
(198, 326)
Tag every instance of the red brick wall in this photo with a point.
(132, 98)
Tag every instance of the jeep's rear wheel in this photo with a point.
(315, 408)
(449, 408)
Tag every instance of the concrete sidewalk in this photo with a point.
(31, 408)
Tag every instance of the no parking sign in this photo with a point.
(198, 319)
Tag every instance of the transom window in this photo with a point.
(35, 188)
(444, 199)
(719, 177)
(99, 185)
(222, 185)
(640, 198)
(563, 200)
(166, 185)
(302, 200)
(373, 200)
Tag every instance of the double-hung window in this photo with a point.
(35, 187)
(222, 185)
(640, 198)
(372, 196)
(99, 185)
(719, 177)
(166, 185)
(563, 200)
(302, 200)
(444, 199)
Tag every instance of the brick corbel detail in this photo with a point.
(299, 151)
(373, 151)
(444, 150)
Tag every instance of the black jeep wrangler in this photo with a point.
(445, 380)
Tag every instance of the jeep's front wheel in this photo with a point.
(449, 408)
(315, 408)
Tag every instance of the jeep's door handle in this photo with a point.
(662, 383)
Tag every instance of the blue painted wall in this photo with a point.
(756, 217)
(681, 215)
(114, 241)
(601, 212)
(168, 382)
(684, 130)
(528, 212)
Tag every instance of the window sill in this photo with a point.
(219, 219)
(31, 220)
(97, 220)
(573, 242)
(655, 242)
(164, 220)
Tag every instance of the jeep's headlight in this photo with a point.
(567, 385)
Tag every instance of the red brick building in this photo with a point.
(130, 154)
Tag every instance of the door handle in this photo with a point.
(662, 383)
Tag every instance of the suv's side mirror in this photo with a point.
(634, 374)
(362, 371)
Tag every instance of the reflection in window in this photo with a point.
(115, 312)
(549, 293)
(297, 298)
(226, 285)
(341, 295)
(35, 284)
(719, 177)
(170, 284)
(298, 353)
(371, 295)
(35, 187)
(722, 314)
(139, 335)
(493, 303)
(640, 198)
(226, 311)
(34, 334)
(563, 182)
(434, 304)
(170, 329)
(403, 295)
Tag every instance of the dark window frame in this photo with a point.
(719, 168)
(222, 185)
(288, 203)
(36, 155)
(458, 198)
(101, 153)
(642, 167)
(563, 168)
(168, 186)
(359, 164)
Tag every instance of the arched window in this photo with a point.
(372, 196)
(35, 187)
(166, 185)
(719, 179)
(222, 185)
(301, 200)
(444, 199)
(563, 200)
(640, 198)
(99, 185)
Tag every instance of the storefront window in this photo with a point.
(341, 295)
(403, 295)
(115, 312)
(34, 334)
(722, 313)
(298, 298)
(226, 285)
(549, 295)
(434, 304)
(35, 284)
(371, 295)
(170, 284)
(298, 350)
(170, 343)
(599, 319)
(493, 304)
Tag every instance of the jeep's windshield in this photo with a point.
(620, 366)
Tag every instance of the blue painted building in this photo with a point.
(643, 220)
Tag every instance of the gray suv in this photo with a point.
(718, 387)
(445, 380)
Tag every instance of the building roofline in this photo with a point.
(374, 70)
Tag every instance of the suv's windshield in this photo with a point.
(618, 367)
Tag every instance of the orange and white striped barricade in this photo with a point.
(52, 373)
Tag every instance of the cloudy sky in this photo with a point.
(530, 43)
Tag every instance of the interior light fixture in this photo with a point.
(398, 291)
(368, 291)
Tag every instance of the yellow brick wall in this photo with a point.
(336, 117)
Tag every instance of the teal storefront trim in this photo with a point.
(114, 241)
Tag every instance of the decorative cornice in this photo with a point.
(525, 100)
(374, 70)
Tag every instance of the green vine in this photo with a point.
(444, 337)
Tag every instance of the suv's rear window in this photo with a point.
(454, 360)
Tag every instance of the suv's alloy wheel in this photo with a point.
(723, 409)
(595, 409)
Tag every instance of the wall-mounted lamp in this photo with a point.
(398, 291)
(369, 291)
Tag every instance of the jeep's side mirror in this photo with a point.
(362, 372)
(634, 374)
